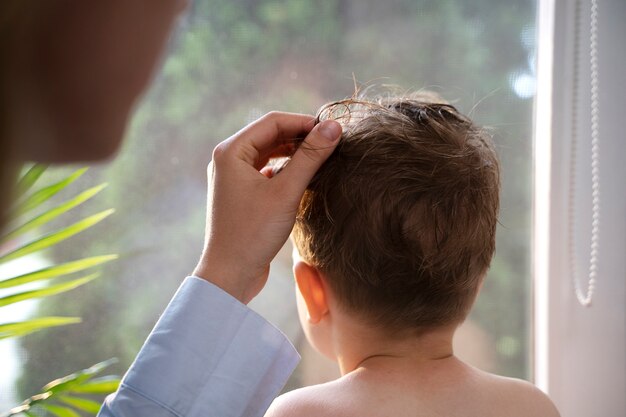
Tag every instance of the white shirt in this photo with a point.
(208, 356)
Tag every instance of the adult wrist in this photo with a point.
(222, 279)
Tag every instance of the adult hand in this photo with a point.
(251, 210)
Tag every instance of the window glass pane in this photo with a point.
(229, 62)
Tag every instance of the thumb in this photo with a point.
(311, 154)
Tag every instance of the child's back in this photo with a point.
(393, 238)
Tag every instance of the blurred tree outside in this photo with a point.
(229, 62)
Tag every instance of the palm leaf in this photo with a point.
(56, 237)
(29, 326)
(50, 399)
(58, 391)
(47, 291)
(83, 404)
(53, 213)
(26, 405)
(77, 378)
(44, 194)
(28, 180)
(104, 385)
(56, 271)
(59, 411)
(20, 409)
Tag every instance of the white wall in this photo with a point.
(580, 353)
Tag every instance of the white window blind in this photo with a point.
(580, 352)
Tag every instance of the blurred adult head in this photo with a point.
(70, 74)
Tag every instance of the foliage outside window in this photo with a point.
(229, 62)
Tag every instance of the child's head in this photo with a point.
(401, 219)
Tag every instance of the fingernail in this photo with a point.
(330, 129)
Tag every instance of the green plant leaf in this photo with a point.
(70, 381)
(66, 405)
(23, 328)
(104, 385)
(56, 237)
(22, 408)
(59, 411)
(37, 398)
(27, 405)
(46, 292)
(53, 213)
(44, 194)
(29, 179)
(57, 270)
(83, 404)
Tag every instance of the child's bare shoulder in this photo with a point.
(317, 400)
(482, 394)
(293, 403)
(520, 397)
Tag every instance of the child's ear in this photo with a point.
(311, 287)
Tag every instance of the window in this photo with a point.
(229, 62)
(580, 352)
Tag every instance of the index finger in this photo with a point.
(268, 133)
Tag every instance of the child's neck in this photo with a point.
(357, 345)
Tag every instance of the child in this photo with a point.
(393, 238)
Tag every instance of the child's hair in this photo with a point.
(401, 219)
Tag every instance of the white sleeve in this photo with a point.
(208, 355)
